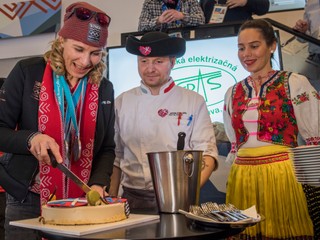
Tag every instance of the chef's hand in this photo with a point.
(39, 145)
(301, 26)
(170, 15)
(236, 3)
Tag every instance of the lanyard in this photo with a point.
(63, 93)
(178, 8)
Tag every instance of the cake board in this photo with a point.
(80, 230)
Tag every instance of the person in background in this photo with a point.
(60, 102)
(150, 116)
(237, 10)
(164, 14)
(263, 115)
(310, 24)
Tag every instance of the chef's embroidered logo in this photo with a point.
(145, 50)
(163, 112)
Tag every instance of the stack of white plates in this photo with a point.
(307, 164)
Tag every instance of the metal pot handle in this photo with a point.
(188, 159)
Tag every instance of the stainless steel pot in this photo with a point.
(176, 179)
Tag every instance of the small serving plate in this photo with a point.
(208, 222)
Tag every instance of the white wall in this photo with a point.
(288, 18)
(124, 18)
(124, 15)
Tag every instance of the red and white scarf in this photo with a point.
(50, 123)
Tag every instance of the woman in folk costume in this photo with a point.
(263, 115)
(63, 103)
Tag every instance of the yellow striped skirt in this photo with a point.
(264, 177)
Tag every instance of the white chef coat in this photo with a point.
(150, 123)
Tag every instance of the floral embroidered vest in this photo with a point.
(277, 122)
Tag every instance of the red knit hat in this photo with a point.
(90, 31)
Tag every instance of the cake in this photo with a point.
(78, 212)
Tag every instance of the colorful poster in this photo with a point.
(25, 18)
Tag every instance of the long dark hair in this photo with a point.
(263, 26)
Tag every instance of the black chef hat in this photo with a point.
(156, 44)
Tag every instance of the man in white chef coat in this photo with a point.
(149, 118)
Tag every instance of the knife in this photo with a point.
(81, 184)
(180, 143)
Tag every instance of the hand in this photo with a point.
(301, 26)
(39, 146)
(170, 15)
(100, 190)
(236, 3)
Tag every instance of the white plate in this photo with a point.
(307, 164)
(309, 178)
(316, 178)
(308, 182)
(306, 149)
(314, 184)
(243, 223)
(306, 153)
(306, 171)
(307, 158)
(312, 180)
(309, 173)
(314, 149)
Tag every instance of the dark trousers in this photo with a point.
(15, 210)
(141, 201)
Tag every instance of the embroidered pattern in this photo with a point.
(313, 141)
(49, 115)
(301, 98)
(316, 95)
(262, 160)
(276, 114)
(233, 147)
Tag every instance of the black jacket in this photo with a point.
(19, 118)
(258, 7)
